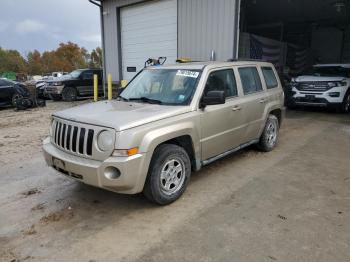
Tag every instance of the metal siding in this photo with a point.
(206, 25)
(203, 25)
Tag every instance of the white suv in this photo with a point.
(328, 85)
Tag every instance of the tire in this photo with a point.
(55, 97)
(69, 94)
(14, 99)
(269, 137)
(168, 175)
(345, 106)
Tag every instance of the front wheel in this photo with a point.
(269, 137)
(69, 94)
(168, 175)
(345, 106)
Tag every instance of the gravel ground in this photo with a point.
(288, 205)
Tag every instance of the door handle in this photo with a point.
(236, 108)
(262, 101)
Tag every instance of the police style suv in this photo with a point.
(328, 85)
(168, 122)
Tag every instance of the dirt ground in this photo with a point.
(292, 204)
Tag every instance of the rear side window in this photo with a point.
(270, 77)
(223, 80)
(88, 75)
(251, 82)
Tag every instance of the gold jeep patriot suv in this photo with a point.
(169, 121)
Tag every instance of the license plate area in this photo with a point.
(60, 166)
(310, 97)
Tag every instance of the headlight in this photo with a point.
(342, 83)
(57, 83)
(105, 140)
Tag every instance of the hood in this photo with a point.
(318, 79)
(120, 115)
(59, 79)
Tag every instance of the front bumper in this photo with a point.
(133, 169)
(54, 90)
(316, 98)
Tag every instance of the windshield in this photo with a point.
(75, 74)
(331, 71)
(163, 86)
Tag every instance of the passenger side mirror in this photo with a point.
(213, 98)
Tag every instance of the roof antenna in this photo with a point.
(212, 55)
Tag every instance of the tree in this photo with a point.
(72, 56)
(12, 60)
(96, 58)
(35, 65)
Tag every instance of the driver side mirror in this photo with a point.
(213, 98)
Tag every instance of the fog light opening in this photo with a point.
(112, 172)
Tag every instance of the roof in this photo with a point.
(211, 64)
(333, 65)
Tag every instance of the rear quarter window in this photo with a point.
(270, 77)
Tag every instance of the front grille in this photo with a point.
(313, 86)
(79, 138)
(73, 138)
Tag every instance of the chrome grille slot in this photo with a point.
(81, 140)
(78, 138)
(313, 86)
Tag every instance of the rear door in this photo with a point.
(222, 126)
(253, 101)
(86, 83)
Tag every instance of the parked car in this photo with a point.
(78, 83)
(10, 91)
(328, 85)
(168, 122)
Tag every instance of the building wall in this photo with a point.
(203, 25)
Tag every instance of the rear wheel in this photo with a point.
(269, 137)
(69, 94)
(168, 175)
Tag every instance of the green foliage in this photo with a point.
(11, 60)
(67, 57)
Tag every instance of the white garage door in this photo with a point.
(147, 30)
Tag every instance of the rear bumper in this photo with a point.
(133, 170)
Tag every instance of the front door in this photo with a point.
(222, 126)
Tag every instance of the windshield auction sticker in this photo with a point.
(187, 73)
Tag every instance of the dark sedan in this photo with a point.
(10, 91)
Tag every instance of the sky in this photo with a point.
(26, 25)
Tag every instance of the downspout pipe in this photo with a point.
(95, 2)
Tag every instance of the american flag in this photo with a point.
(267, 50)
(297, 59)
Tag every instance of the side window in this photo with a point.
(88, 75)
(270, 77)
(223, 80)
(251, 82)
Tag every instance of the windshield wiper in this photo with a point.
(146, 100)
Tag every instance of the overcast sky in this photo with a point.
(26, 25)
